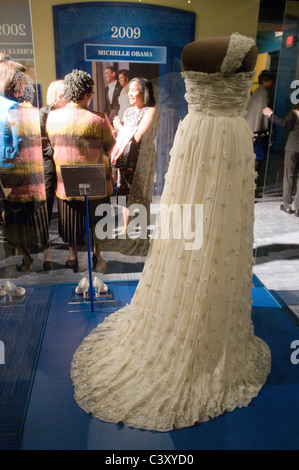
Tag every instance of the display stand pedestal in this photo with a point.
(105, 303)
(87, 181)
(15, 305)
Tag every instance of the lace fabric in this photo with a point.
(184, 350)
(238, 48)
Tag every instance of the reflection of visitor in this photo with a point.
(112, 92)
(79, 136)
(55, 99)
(9, 142)
(141, 122)
(291, 157)
(25, 214)
(257, 122)
(123, 100)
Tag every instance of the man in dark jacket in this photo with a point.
(112, 92)
(291, 157)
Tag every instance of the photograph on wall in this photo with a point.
(145, 40)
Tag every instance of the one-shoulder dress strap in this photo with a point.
(237, 49)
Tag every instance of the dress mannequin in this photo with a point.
(206, 55)
(184, 350)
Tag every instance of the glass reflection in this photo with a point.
(284, 115)
(276, 213)
(23, 208)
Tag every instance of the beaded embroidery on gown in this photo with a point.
(184, 350)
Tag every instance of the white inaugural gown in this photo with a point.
(184, 350)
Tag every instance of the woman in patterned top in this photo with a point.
(140, 122)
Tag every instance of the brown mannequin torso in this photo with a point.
(206, 55)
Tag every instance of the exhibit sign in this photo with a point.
(15, 30)
(146, 40)
(140, 54)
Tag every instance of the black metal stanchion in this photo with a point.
(88, 252)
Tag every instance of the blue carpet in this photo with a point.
(55, 422)
(22, 324)
(289, 301)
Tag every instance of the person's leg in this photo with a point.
(289, 167)
(126, 221)
(123, 190)
(27, 260)
(72, 262)
(47, 259)
(296, 199)
(98, 261)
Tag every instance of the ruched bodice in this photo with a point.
(224, 93)
(217, 94)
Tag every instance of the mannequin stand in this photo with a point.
(85, 180)
(88, 252)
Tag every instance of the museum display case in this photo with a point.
(48, 303)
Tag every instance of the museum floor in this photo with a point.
(37, 409)
(276, 247)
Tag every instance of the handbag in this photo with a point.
(129, 157)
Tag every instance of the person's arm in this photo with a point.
(46, 144)
(12, 135)
(108, 136)
(268, 111)
(117, 123)
(145, 124)
(288, 121)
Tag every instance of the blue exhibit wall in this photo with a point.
(83, 32)
(78, 23)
